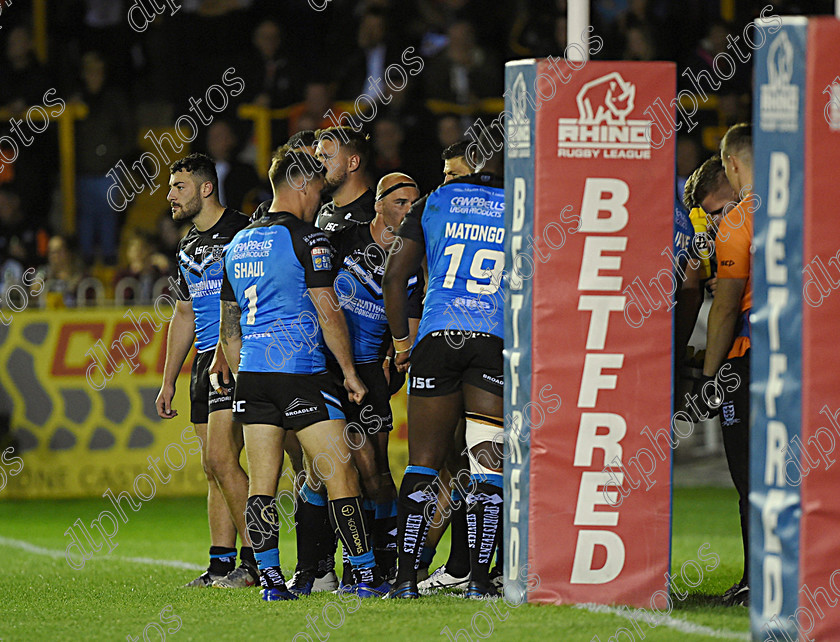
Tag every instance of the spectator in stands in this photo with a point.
(23, 80)
(145, 264)
(270, 76)
(450, 130)
(102, 139)
(639, 44)
(714, 43)
(463, 72)
(18, 240)
(62, 273)
(236, 178)
(388, 137)
(688, 159)
(106, 30)
(317, 101)
(371, 58)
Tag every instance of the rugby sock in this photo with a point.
(222, 560)
(384, 534)
(458, 563)
(347, 568)
(311, 518)
(369, 507)
(262, 522)
(348, 519)
(246, 556)
(417, 503)
(484, 516)
(426, 556)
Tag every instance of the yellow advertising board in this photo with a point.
(79, 387)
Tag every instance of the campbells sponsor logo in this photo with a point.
(477, 205)
(251, 249)
(779, 101)
(602, 128)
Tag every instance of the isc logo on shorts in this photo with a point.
(239, 406)
(423, 383)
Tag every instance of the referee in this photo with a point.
(728, 335)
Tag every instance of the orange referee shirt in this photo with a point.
(732, 245)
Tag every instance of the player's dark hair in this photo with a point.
(707, 179)
(455, 150)
(292, 167)
(199, 165)
(488, 152)
(348, 138)
(303, 138)
(738, 141)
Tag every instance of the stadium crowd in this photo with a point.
(290, 57)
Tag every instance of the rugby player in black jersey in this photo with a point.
(346, 154)
(193, 196)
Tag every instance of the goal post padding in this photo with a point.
(589, 194)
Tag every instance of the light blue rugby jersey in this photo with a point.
(463, 227)
(269, 266)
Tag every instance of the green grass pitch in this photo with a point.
(115, 598)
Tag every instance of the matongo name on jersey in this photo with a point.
(475, 232)
(246, 270)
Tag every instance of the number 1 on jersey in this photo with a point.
(251, 293)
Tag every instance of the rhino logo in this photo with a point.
(608, 99)
(780, 61)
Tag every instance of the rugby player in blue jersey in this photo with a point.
(456, 361)
(193, 196)
(274, 336)
(361, 253)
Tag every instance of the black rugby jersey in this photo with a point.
(200, 273)
(332, 219)
(361, 263)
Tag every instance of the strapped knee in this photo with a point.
(481, 428)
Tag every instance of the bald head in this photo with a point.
(394, 195)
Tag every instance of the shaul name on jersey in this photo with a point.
(248, 270)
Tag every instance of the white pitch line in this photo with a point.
(37, 550)
(663, 620)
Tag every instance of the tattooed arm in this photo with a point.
(230, 334)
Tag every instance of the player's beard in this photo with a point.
(188, 211)
(332, 183)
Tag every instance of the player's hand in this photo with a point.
(402, 361)
(356, 390)
(221, 379)
(163, 403)
(711, 285)
(386, 368)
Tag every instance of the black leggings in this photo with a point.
(735, 425)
